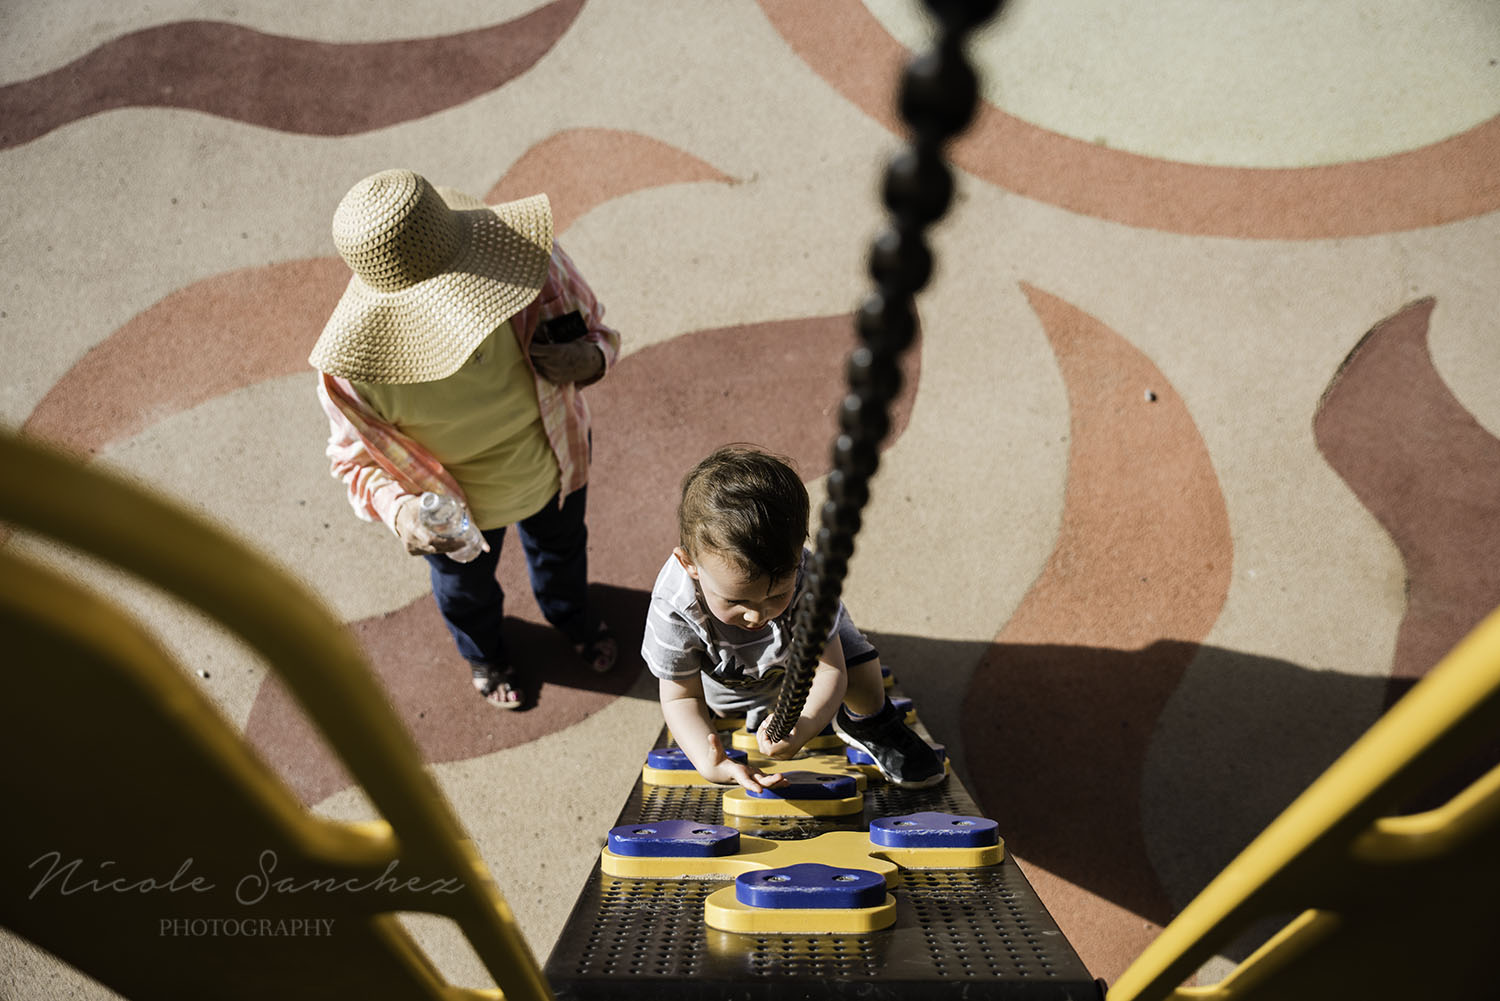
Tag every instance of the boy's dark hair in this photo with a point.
(748, 506)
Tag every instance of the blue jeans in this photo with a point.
(555, 542)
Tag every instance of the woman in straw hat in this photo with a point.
(453, 363)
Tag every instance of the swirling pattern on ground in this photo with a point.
(1423, 465)
(236, 329)
(1069, 695)
(1450, 180)
(289, 84)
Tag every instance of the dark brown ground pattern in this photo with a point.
(290, 84)
(1428, 471)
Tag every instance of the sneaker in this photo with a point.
(905, 759)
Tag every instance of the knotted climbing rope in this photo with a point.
(937, 95)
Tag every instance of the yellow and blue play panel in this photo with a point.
(669, 766)
(809, 898)
(802, 794)
(685, 849)
(823, 764)
(744, 740)
(686, 900)
(932, 840)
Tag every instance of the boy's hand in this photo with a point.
(779, 749)
(725, 771)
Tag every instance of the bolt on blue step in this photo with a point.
(810, 785)
(934, 830)
(810, 885)
(674, 839)
(675, 758)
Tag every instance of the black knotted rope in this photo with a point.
(937, 96)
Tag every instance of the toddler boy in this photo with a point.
(719, 631)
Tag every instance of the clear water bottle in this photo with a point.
(444, 516)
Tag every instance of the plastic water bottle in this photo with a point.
(444, 516)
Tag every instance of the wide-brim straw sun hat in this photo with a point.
(435, 271)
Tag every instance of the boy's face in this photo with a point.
(736, 597)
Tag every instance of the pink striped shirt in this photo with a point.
(378, 464)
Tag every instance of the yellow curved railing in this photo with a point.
(138, 820)
(1384, 905)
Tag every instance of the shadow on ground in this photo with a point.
(1137, 812)
(1093, 799)
(428, 683)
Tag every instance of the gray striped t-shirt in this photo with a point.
(741, 670)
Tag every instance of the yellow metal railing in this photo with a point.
(1384, 905)
(145, 842)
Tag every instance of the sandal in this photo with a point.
(498, 686)
(601, 652)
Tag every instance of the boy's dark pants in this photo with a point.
(555, 543)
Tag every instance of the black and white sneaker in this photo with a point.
(905, 759)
